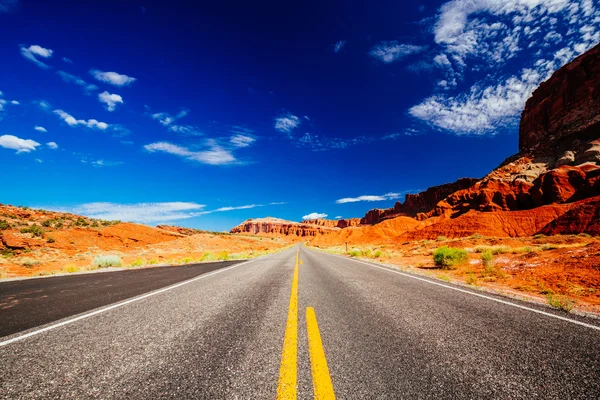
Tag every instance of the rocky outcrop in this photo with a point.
(583, 217)
(563, 109)
(416, 204)
(338, 223)
(279, 227)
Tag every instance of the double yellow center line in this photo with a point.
(288, 371)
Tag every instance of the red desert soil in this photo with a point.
(38, 242)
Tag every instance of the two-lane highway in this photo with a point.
(301, 323)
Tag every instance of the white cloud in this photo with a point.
(33, 52)
(286, 123)
(40, 129)
(112, 78)
(52, 145)
(111, 100)
(44, 105)
(246, 207)
(387, 196)
(70, 78)
(18, 144)
(314, 215)
(167, 119)
(482, 35)
(140, 212)
(321, 143)
(104, 163)
(72, 121)
(212, 155)
(67, 60)
(15, 102)
(338, 46)
(241, 140)
(391, 51)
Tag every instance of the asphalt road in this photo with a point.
(383, 335)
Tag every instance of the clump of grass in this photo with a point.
(208, 256)
(367, 253)
(35, 230)
(29, 262)
(487, 259)
(70, 268)
(448, 257)
(441, 238)
(224, 256)
(471, 279)
(107, 261)
(186, 260)
(137, 263)
(354, 253)
(153, 261)
(560, 302)
(4, 225)
(81, 222)
(51, 240)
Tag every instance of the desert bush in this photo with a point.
(447, 257)
(51, 240)
(34, 229)
(4, 225)
(70, 268)
(81, 222)
(224, 255)
(28, 262)
(562, 303)
(487, 258)
(441, 238)
(137, 263)
(471, 279)
(354, 253)
(107, 261)
(95, 224)
(47, 223)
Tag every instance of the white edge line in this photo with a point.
(472, 293)
(121, 304)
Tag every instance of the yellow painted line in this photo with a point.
(286, 388)
(322, 386)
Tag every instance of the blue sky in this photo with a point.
(206, 115)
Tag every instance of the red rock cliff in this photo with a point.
(279, 227)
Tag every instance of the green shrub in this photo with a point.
(224, 255)
(447, 257)
(378, 254)
(562, 303)
(137, 263)
(47, 223)
(354, 253)
(107, 261)
(4, 225)
(34, 229)
(81, 222)
(366, 253)
(29, 262)
(70, 268)
(95, 224)
(51, 240)
(471, 279)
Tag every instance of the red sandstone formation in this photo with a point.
(279, 227)
(339, 223)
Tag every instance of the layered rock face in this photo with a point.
(416, 204)
(339, 223)
(279, 227)
(564, 109)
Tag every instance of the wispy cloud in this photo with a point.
(110, 100)
(320, 143)
(476, 35)
(70, 78)
(391, 51)
(20, 145)
(314, 215)
(286, 123)
(213, 154)
(52, 145)
(338, 46)
(112, 78)
(72, 121)
(67, 60)
(387, 196)
(167, 119)
(7, 6)
(241, 140)
(32, 53)
(139, 212)
(40, 129)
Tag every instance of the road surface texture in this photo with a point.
(240, 332)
